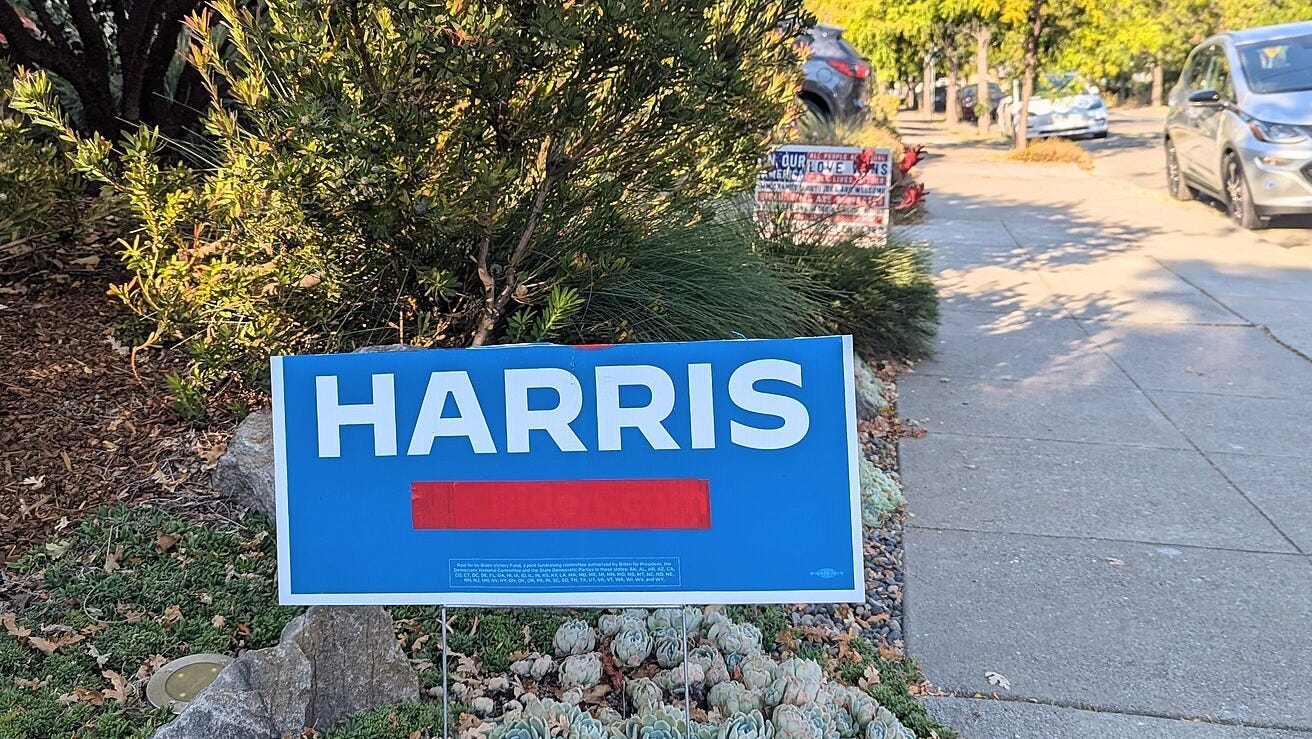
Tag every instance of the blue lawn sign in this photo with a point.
(637, 474)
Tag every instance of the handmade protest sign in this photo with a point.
(839, 191)
(712, 472)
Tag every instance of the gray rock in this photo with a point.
(331, 661)
(245, 471)
(262, 695)
(356, 659)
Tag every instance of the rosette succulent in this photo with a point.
(794, 722)
(581, 670)
(886, 726)
(879, 494)
(609, 624)
(635, 614)
(662, 722)
(669, 650)
(585, 726)
(632, 646)
(748, 725)
(730, 697)
(803, 668)
(844, 726)
(574, 636)
(708, 658)
(675, 618)
(527, 727)
(542, 666)
(792, 690)
(736, 639)
(643, 694)
(703, 730)
(759, 671)
(858, 704)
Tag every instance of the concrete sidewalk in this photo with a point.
(1113, 507)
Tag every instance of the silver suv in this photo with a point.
(1240, 123)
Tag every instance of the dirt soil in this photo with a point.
(78, 427)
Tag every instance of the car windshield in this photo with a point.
(1278, 66)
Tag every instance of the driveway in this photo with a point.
(1112, 512)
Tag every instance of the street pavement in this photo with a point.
(1112, 511)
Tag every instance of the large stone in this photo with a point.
(245, 471)
(262, 695)
(331, 662)
(356, 660)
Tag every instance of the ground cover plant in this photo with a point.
(1054, 151)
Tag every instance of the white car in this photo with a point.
(1062, 105)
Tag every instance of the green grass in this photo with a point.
(169, 581)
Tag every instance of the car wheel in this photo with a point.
(1175, 181)
(1239, 199)
(1100, 135)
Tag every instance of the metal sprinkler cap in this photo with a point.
(177, 682)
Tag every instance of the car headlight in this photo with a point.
(1277, 133)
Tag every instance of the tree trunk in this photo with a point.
(927, 94)
(1032, 35)
(953, 109)
(982, 39)
(1157, 82)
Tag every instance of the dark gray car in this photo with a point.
(1240, 123)
(837, 78)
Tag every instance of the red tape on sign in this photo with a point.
(570, 504)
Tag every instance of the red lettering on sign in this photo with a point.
(562, 504)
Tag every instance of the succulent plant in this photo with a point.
(522, 667)
(748, 725)
(796, 691)
(861, 707)
(635, 614)
(585, 726)
(759, 671)
(794, 722)
(542, 666)
(581, 670)
(735, 639)
(609, 624)
(528, 727)
(662, 722)
(730, 697)
(703, 730)
(844, 726)
(643, 694)
(711, 618)
(669, 650)
(574, 636)
(879, 494)
(708, 658)
(632, 646)
(675, 618)
(549, 710)
(608, 716)
(803, 668)
(671, 680)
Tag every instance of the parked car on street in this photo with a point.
(836, 78)
(967, 99)
(1063, 104)
(1239, 126)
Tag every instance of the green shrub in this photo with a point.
(39, 193)
(422, 171)
(884, 296)
(873, 134)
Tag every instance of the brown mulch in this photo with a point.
(78, 427)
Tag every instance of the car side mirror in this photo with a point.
(1205, 98)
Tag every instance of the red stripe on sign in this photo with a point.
(571, 504)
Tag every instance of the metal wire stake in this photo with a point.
(446, 707)
(687, 699)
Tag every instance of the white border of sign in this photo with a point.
(855, 594)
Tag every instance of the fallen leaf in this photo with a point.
(164, 542)
(90, 261)
(112, 558)
(150, 666)
(96, 654)
(10, 623)
(999, 680)
(57, 549)
(36, 482)
(1114, 562)
(49, 646)
(122, 689)
(309, 281)
(31, 684)
(870, 677)
(218, 621)
(172, 614)
(82, 695)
